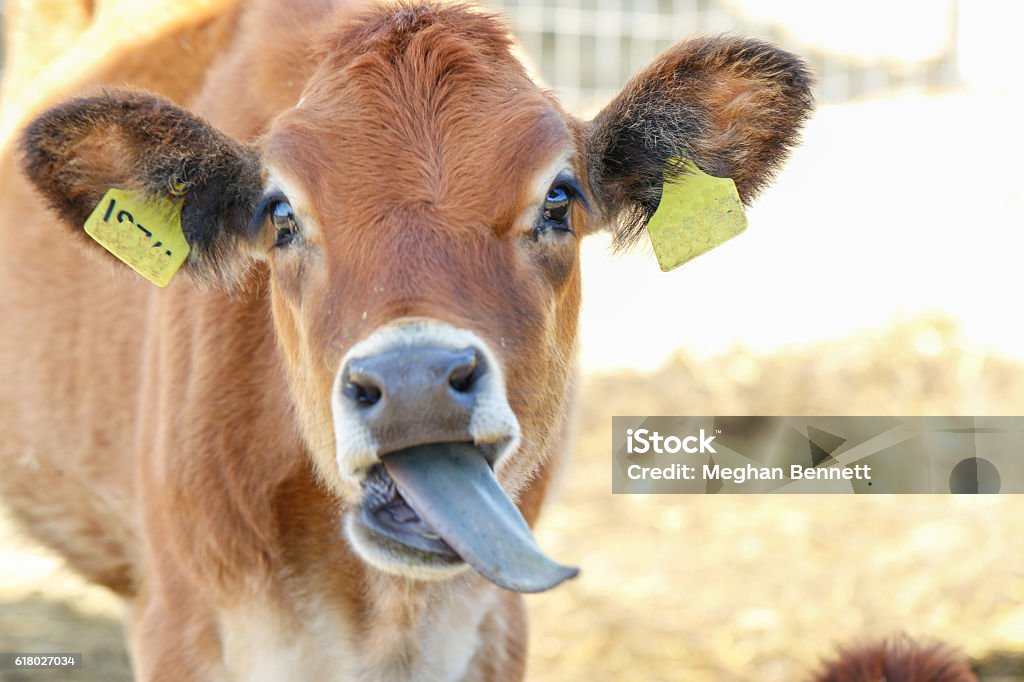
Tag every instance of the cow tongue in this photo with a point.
(452, 488)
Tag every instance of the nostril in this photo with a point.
(463, 376)
(362, 390)
(365, 395)
(462, 380)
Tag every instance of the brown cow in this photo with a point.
(898, 659)
(284, 460)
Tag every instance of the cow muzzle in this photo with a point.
(416, 394)
(422, 421)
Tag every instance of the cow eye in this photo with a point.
(556, 207)
(283, 218)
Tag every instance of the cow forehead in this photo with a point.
(420, 112)
(484, 168)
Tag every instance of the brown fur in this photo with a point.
(176, 445)
(897, 660)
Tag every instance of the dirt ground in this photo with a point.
(730, 588)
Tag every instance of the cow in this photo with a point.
(317, 452)
(897, 659)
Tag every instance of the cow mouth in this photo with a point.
(443, 500)
(384, 511)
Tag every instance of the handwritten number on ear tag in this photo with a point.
(142, 231)
(697, 213)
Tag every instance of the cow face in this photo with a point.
(419, 212)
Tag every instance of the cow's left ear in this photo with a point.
(136, 141)
(732, 106)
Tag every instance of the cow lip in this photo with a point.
(385, 512)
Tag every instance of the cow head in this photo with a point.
(419, 212)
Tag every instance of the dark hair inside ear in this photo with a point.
(638, 143)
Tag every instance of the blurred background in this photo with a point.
(880, 275)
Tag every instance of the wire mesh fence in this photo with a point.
(587, 49)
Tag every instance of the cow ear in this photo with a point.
(732, 106)
(136, 141)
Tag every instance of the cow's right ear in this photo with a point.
(131, 140)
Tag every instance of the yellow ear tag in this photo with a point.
(141, 230)
(697, 213)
